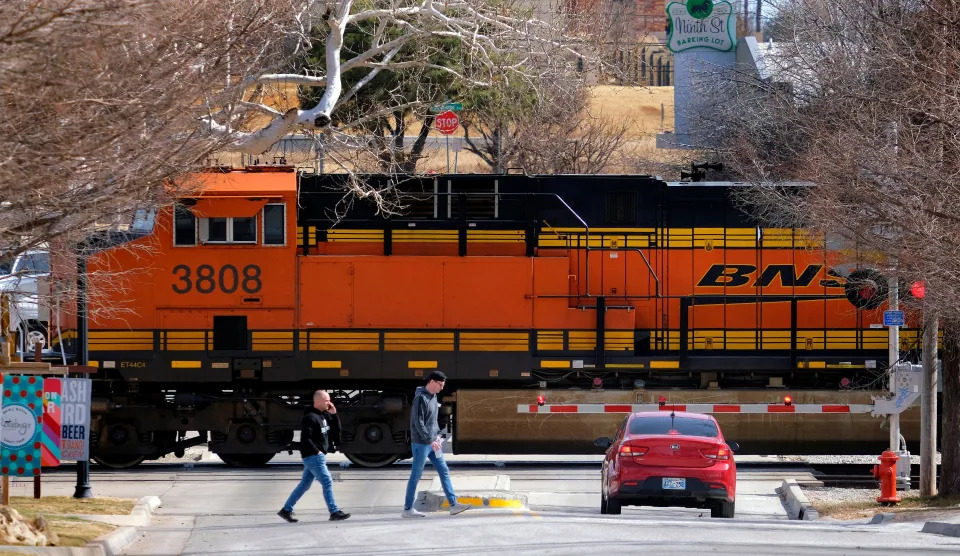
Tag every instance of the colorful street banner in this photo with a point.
(22, 417)
(75, 422)
(50, 436)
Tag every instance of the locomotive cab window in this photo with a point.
(228, 230)
(184, 227)
(274, 224)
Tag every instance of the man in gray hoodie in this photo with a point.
(425, 442)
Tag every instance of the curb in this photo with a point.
(115, 541)
(941, 528)
(110, 544)
(795, 501)
(145, 507)
(881, 518)
(428, 501)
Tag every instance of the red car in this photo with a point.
(669, 459)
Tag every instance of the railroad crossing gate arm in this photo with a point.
(907, 391)
(581, 408)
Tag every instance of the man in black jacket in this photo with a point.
(320, 433)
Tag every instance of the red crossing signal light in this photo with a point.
(918, 289)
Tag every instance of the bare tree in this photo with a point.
(549, 130)
(864, 102)
(554, 143)
(486, 34)
(101, 101)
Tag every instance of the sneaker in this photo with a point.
(459, 508)
(412, 513)
(339, 515)
(287, 516)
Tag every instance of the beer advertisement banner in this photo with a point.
(50, 437)
(75, 422)
(22, 419)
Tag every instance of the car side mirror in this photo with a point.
(733, 446)
(603, 442)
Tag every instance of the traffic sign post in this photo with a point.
(446, 123)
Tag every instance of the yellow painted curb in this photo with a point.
(490, 502)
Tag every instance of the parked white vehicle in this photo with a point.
(23, 281)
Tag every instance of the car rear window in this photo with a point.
(683, 425)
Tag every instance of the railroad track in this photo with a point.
(855, 475)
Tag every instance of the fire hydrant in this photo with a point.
(886, 472)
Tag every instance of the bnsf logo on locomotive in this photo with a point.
(733, 275)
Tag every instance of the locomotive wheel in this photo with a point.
(246, 460)
(372, 460)
(119, 462)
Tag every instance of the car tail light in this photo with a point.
(715, 453)
(633, 451)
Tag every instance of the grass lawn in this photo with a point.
(913, 508)
(72, 531)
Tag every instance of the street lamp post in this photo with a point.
(83, 467)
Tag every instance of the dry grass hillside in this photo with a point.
(648, 110)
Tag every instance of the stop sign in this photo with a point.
(447, 122)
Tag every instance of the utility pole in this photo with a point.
(928, 406)
(759, 22)
(893, 355)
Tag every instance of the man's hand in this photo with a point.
(331, 409)
(436, 444)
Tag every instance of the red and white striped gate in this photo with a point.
(694, 408)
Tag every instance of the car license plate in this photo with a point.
(674, 484)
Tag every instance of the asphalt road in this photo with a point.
(209, 508)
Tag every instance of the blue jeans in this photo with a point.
(314, 467)
(420, 454)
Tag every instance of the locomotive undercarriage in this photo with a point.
(242, 428)
(135, 422)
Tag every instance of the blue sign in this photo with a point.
(893, 318)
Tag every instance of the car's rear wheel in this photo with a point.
(613, 506)
(723, 510)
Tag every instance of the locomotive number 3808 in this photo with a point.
(207, 279)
